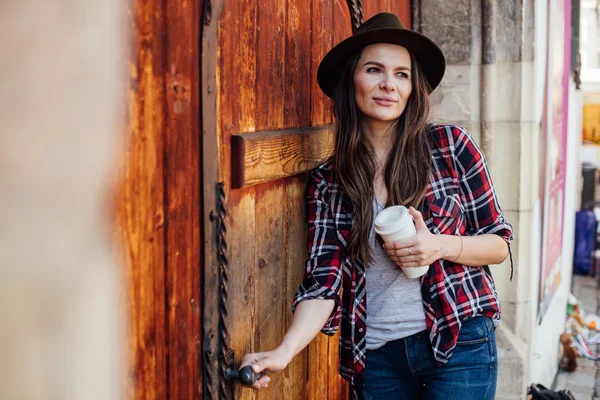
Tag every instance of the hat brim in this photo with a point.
(429, 56)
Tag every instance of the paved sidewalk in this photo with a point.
(584, 382)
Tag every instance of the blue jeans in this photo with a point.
(406, 369)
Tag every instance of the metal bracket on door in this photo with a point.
(225, 353)
(217, 351)
(356, 14)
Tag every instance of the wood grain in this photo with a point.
(321, 107)
(182, 178)
(295, 256)
(140, 204)
(267, 156)
(236, 80)
(269, 212)
(243, 289)
(402, 8)
(297, 113)
(322, 42)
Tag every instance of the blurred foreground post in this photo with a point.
(60, 329)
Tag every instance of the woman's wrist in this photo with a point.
(450, 248)
(286, 351)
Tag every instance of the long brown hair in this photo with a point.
(408, 166)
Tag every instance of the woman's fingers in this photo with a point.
(262, 383)
(265, 363)
(250, 359)
(410, 261)
(398, 253)
(394, 249)
(404, 257)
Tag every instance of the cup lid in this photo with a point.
(392, 219)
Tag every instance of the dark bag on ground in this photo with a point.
(539, 392)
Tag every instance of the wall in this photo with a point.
(500, 43)
(545, 351)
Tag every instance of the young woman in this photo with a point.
(426, 338)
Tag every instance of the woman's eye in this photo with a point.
(373, 69)
(402, 75)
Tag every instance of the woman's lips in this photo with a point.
(382, 101)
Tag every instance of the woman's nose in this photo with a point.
(386, 83)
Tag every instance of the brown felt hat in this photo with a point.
(382, 28)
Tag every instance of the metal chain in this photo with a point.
(356, 14)
(223, 290)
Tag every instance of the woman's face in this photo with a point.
(382, 81)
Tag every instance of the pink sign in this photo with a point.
(554, 148)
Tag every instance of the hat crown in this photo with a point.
(380, 21)
(382, 28)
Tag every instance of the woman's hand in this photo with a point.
(415, 251)
(308, 319)
(266, 363)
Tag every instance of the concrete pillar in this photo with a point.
(489, 89)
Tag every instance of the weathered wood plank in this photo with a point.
(182, 152)
(243, 290)
(398, 7)
(321, 107)
(367, 6)
(402, 8)
(269, 273)
(269, 212)
(140, 207)
(236, 80)
(322, 42)
(297, 113)
(318, 373)
(297, 99)
(295, 255)
(267, 156)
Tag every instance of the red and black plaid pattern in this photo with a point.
(460, 200)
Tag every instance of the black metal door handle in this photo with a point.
(246, 376)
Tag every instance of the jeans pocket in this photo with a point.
(471, 342)
(475, 343)
(474, 331)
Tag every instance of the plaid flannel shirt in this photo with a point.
(460, 200)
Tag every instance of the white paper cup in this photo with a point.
(395, 223)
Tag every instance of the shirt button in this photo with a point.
(360, 330)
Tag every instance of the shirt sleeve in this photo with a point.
(478, 196)
(323, 272)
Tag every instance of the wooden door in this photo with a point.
(158, 207)
(265, 123)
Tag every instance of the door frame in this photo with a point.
(215, 263)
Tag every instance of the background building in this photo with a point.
(509, 82)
